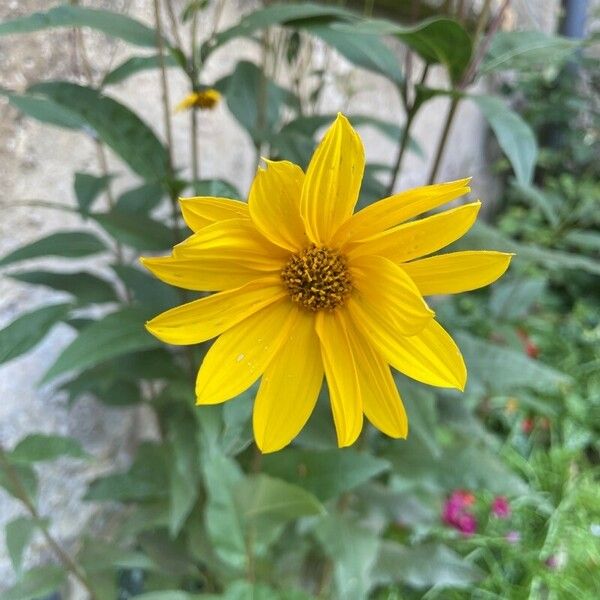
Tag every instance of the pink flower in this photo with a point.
(501, 507)
(455, 512)
(513, 537)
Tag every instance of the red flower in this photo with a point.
(501, 507)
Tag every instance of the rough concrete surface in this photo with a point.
(38, 162)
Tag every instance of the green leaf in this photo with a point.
(39, 447)
(325, 473)
(437, 40)
(110, 23)
(146, 479)
(135, 230)
(526, 50)
(116, 334)
(424, 566)
(584, 240)
(87, 288)
(353, 550)
(136, 64)
(537, 198)
(215, 187)
(36, 583)
(141, 199)
(113, 123)
(29, 329)
(502, 369)
(96, 555)
(88, 188)
(44, 110)
(68, 244)
(18, 535)
(175, 595)
(27, 479)
(514, 135)
(513, 298)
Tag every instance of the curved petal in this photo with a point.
(208, 317)
(289, 387)
(200, 211)
(332, 181)
(342, 378)
(457, 271)
(419, 238)
(384, 288)
(274, 204)
(204, 273)
(380, 397)
(234, 239)
(241, 354)
(398, 208)
(430, 356)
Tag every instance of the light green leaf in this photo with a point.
(88, 188)
(110, 23)
(141, 199)
(215, 187)
(68, 244)
(18, 534)
(325, 473)
(584, 240)
(514, 135)
(513, 298)
(537, 198)
(96, 556)
(424, 566)
(116, 334)
(39, 447)
(134, 65)
(36, 583)
(113, 123)
(136, 230)
(27, 478)
(85, 287)
(29, 329)
(526, 50)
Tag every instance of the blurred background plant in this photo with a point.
(495, 494)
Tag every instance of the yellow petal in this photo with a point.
(200, 211)
(430, 356)
(332, 181)
(457, 271)
(206, 318)
(241, 354)
(202, 273)
(230, 240)
(383, 287)
(289, 387)
(381, 401)
(342, 378)
(398, 208)
(274, 203)
(419, 238)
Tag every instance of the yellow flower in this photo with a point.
(306, 289)
(205, 99)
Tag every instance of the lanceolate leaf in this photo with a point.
(40, 447)
(39, 582)
(114, 335)
(18, 535)
(88, 188)
(113, 123)
(134, 65)
(68, 244)
(29, 329)
(110, 23)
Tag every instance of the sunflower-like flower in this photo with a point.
(205, 99)
(307, 289)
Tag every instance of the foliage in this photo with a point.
(205, 515)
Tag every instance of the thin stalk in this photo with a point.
(21, 494)
(261, 100)
(174, 23)
(193, 112)
(443, 139)
(484, 16)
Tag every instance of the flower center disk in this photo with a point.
(317, 278)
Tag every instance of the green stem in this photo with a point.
(443, 139)
(21, 494)
(193, 113)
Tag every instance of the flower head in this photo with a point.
(204, 99)
(501, 507)
(307, 289)
(456, 514)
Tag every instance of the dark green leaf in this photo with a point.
(513, 298)
(26, 477)
(192, 7)
(88, 188)
(18, 535)
(140, 200)
(325, 473)
(215, 187)
(29, 329)
(36, 583)
(69, 244)
(110, 23)
(87, 288)
(514, 135)
(113, 123)
(114, 335)
(136, 230)
(134, 65)
(96, 555)
(40, 447)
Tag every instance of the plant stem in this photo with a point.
(443, 139)
(193, 112)
(21, 494)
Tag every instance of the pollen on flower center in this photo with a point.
(317, 278)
